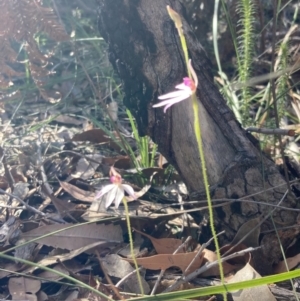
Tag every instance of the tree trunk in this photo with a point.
(145, 49)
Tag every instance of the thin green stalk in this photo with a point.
(132, 247)
(197, 128)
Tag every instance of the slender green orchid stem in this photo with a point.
(132, 247)
(197, 128)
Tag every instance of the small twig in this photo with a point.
(206, 267)
(127, 276)
(282, 132)
(23, 203)
(163, 271)
(188, 239)
(115, 290)
(205, 245)
(184, 215)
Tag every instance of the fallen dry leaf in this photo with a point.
(72, 266)
(115, 266)
(248, 234)
(164, 245)
(8, 269)
(23, 288)
(76, 237)
(290, 262)
(68, 120)
(238, 260)
(210, 256)
(42, 296)
(166, 261)
(77, 193)
(85, 168)
(63, 257)
(63, 207)
(255, 293)
(70, 295)
(97, 136)
(121, 162)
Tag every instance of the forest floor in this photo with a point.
(57, 238)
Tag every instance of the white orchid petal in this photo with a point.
(129, 190)
(104, 190)
(172, 94)
(119, 196)
(172, 100)
(177, 99)
(167, 107)
(111, 196)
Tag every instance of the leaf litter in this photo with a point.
(61, 239)
(54, 159)
(64, 242)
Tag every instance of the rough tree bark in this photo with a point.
(145, 50)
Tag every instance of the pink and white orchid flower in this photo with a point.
(115, 192)
(186, 89)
